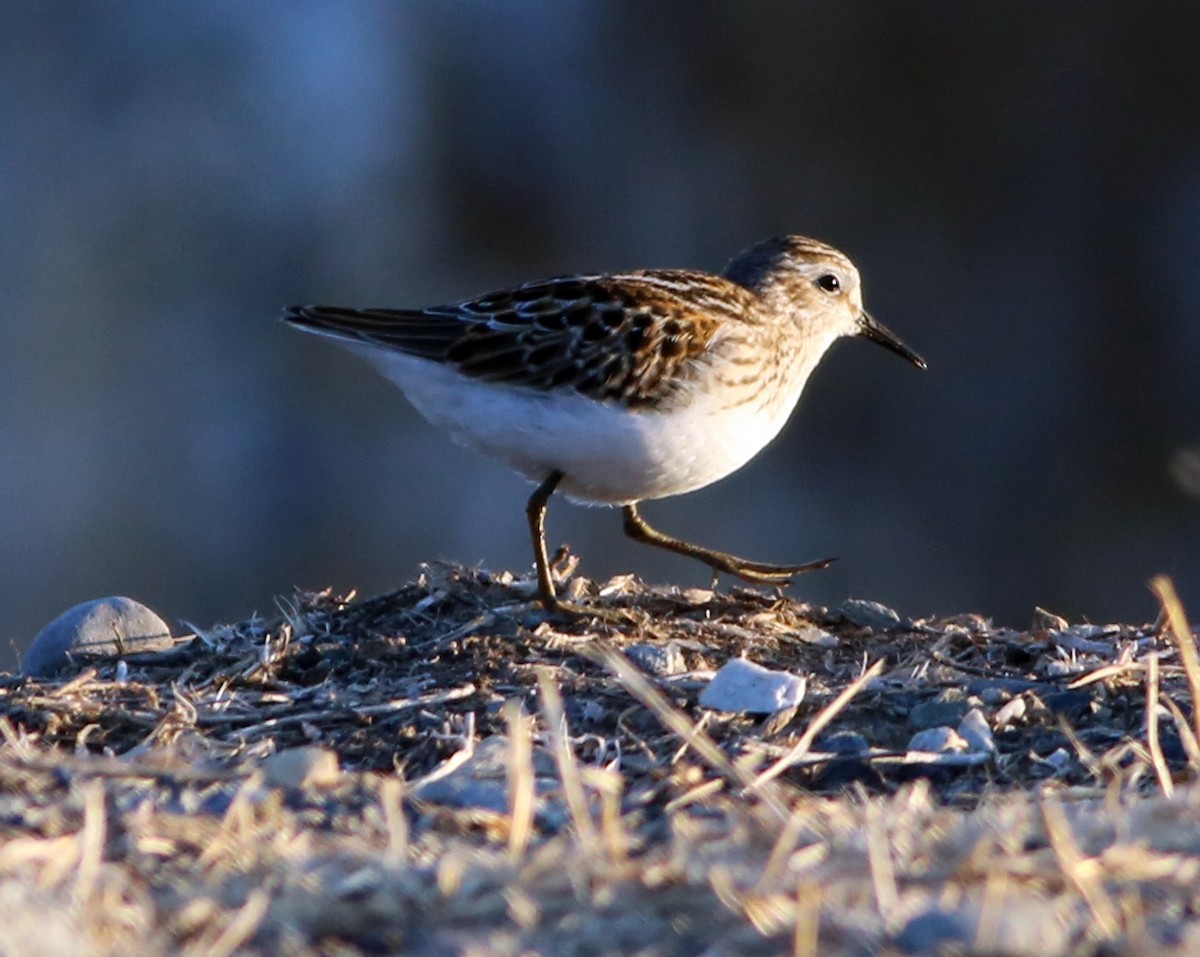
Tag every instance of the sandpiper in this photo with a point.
(622, 387)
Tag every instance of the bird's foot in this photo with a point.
(762, 573)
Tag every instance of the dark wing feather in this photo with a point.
(625, 338)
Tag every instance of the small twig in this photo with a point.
(966, 669)
(475, 624)
(343, 712)
(79, 681)
(817, 725)
(694, 795)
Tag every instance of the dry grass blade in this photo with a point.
(241, 928)
(1081, 872)
(568, 769)
(391, 800)
(520, 779)
(80, 681)
(91, 838)
(1187, 737)
(817, 725)
(1105, 672)
(139, 817)
(1177, 626)
(879, 856)
(1161, 771)
(807, 930)
(785, 844)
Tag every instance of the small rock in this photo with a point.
(1059, 759)
(743, 686)
(301, 768)
(662, 660)
(938, 740)
(866, 614)
(994, 696)
(1024, 925)
(929, 931)
(1011, 685)
(1061, 669)
(970, 622)
(482, 779)
(975, 731)
(812, 635)
(105, 626)
(946, 708)
(1083, 644)
(844, 742)
(1069, 704)
(1090, 632)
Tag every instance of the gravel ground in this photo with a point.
(442, 770)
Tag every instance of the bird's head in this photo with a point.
(818, 285)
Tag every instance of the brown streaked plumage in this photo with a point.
(619, 339)
(622, 387)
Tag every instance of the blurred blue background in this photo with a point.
(1019, 183)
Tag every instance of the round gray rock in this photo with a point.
(104, 626)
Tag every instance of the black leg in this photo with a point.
(760, 572)
(536, 511)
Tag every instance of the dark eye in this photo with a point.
(829, 282)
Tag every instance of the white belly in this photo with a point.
(607, 455)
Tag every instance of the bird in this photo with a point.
(617, 388)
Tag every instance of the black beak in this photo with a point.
(877, 332)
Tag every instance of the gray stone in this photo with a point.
(744, 687)
(103, 627)
(1069, 704)
(975, 731)
(812, 635)
(1059, 759)
(1024, 925)
(994, 697)
(1010, 685)
(664, 660)
(481, 780)
(867, 614)
(929, 931)
(937, 740)
(948, 707)
(1082, 640)
(301, 767)
(843, 742)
